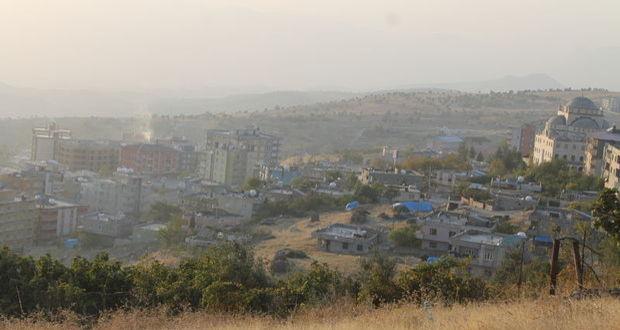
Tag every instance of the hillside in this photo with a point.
(547, 314)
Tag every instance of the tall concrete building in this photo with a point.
(231, 157)
(150, 159)
(611, 104)
(611, 166)
(57, 219)
(564, 135)
(17, 223)
(89, 155)
(595, 148)
(122, 193)
(46, 142)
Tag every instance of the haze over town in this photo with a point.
(309, 164)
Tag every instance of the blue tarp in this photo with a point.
(543, 240)
(352, 205)
(71, 243)
(430, 260)
(414, 207)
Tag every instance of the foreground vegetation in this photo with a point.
(545, 314)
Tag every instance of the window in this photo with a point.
(452, 233)
(432, 245)
(360, 247)
(345, 246)
(433, 231)
(489, 255)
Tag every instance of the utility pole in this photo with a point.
(553, 276)
(578, 264)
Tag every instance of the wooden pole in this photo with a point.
(578, 264)
(553, 276)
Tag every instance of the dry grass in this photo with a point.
(549, 313)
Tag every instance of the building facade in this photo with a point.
(611, 166)
(150, 159)
(57, 219)
(46, 142)
(17, 223)
(122, 193)
(89, 155)
(232, 157)
(486, 250)
(105, 224)
(564, 135)
(595, 146)
(436, 230)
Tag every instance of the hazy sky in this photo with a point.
(299, 44)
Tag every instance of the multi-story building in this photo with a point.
(436, 230)
(486, 250)
(231, 157)
(564, 136)
(611, 104)
(89, 155)
(46, 142)
(611, 166)
(525, 138)
(595, 146)
(106, 224)
(121, 193)
(17, 223)
(56, 220)
(150, 159)
(188, 157)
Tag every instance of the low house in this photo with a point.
(391, 178)
(437, 229)
(499, 202)
(448, 177)
(147, 233)
(556, 221)
(106, 224)
(486, 250)
(343, 238)
(407, 193)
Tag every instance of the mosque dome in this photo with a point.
(583, 103)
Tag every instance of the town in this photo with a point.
(167, 196)
(244, 164)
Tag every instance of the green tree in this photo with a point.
(405, 237)
(472, 152)
(480, 157)
(376, 280)
(253, 183)
(442, 280)
(606, 213)
(163, 212)
(173, 234)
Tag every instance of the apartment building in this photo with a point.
(89, 155)
(150, 159)
(231, 157)
(46, 142)
(595, 147)
(122, 193)
(17, 223)
(56, 220)
(611, 166)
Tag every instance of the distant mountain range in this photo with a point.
(28, 102)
